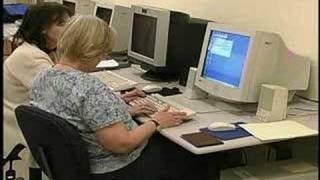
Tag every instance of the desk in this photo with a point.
(210, 110)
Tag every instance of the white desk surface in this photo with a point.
(210, 110)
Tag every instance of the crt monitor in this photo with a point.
(104, 12)
(71, 5)
(117, 16)
(235, 61)
(119, 19)
(85, 7)
(57, 1)
(158, 42)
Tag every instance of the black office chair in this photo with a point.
(54, 143)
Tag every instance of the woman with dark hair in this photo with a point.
(35, 43)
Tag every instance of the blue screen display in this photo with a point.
(225, 57)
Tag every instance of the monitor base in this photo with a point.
(158, 76)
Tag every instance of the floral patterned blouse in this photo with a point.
(84, 101)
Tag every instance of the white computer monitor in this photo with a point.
(71, 5)
(58, 1)
(235, 61)
(149, 35)
(85, 7)
(119, 19)
(104, 11)
(120, 22)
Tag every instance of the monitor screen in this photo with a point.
(144, 35)
(70, 5)
(225, 57)
(104, 13)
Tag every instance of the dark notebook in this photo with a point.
(200, 139)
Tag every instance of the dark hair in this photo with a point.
(36, 19)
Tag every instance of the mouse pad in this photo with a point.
(230, 134)
(201, 139)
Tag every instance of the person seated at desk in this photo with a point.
(36, 40)
(118, 148)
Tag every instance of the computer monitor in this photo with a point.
(71, 5)
(120, 22)
(103, 11)
(158, 41)
(235, 61)
(85, 7)
(57, 1)
(119, 19)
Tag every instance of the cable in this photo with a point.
(293, 114)
(268, 153)
(244, 154)
(303, 109)
(307, 99)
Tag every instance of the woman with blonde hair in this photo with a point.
(118, 148)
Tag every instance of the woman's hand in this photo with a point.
(169, 119)
(132, 95)
(144, 108)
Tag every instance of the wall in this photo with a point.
(295, 20)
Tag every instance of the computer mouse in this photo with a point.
(152, 88)
(221, 126)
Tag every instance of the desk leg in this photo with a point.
(283, 150)
(214, 165)
(214, 171)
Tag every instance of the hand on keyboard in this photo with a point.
(142, 109)
(161, 105)
(132, 95)
(168, 119)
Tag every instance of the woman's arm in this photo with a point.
(118, 139)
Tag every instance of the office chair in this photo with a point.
(12, 156)
(54, 143)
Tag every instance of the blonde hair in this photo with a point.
(86, 38)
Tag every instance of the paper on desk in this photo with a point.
(108, 64)
(278, 130)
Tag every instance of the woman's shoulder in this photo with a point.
(91, 83)
(88, 78)
(28, 53)
(79, 78)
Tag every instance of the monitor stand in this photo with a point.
(158, 76)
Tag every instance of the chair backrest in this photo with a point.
(54, 143)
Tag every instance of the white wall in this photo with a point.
(295, 20)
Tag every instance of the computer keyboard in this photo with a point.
(114, 81)
(160, 103)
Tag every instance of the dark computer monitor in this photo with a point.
(71, 5)
(104, 12)
(144, 35)
(159, 42)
